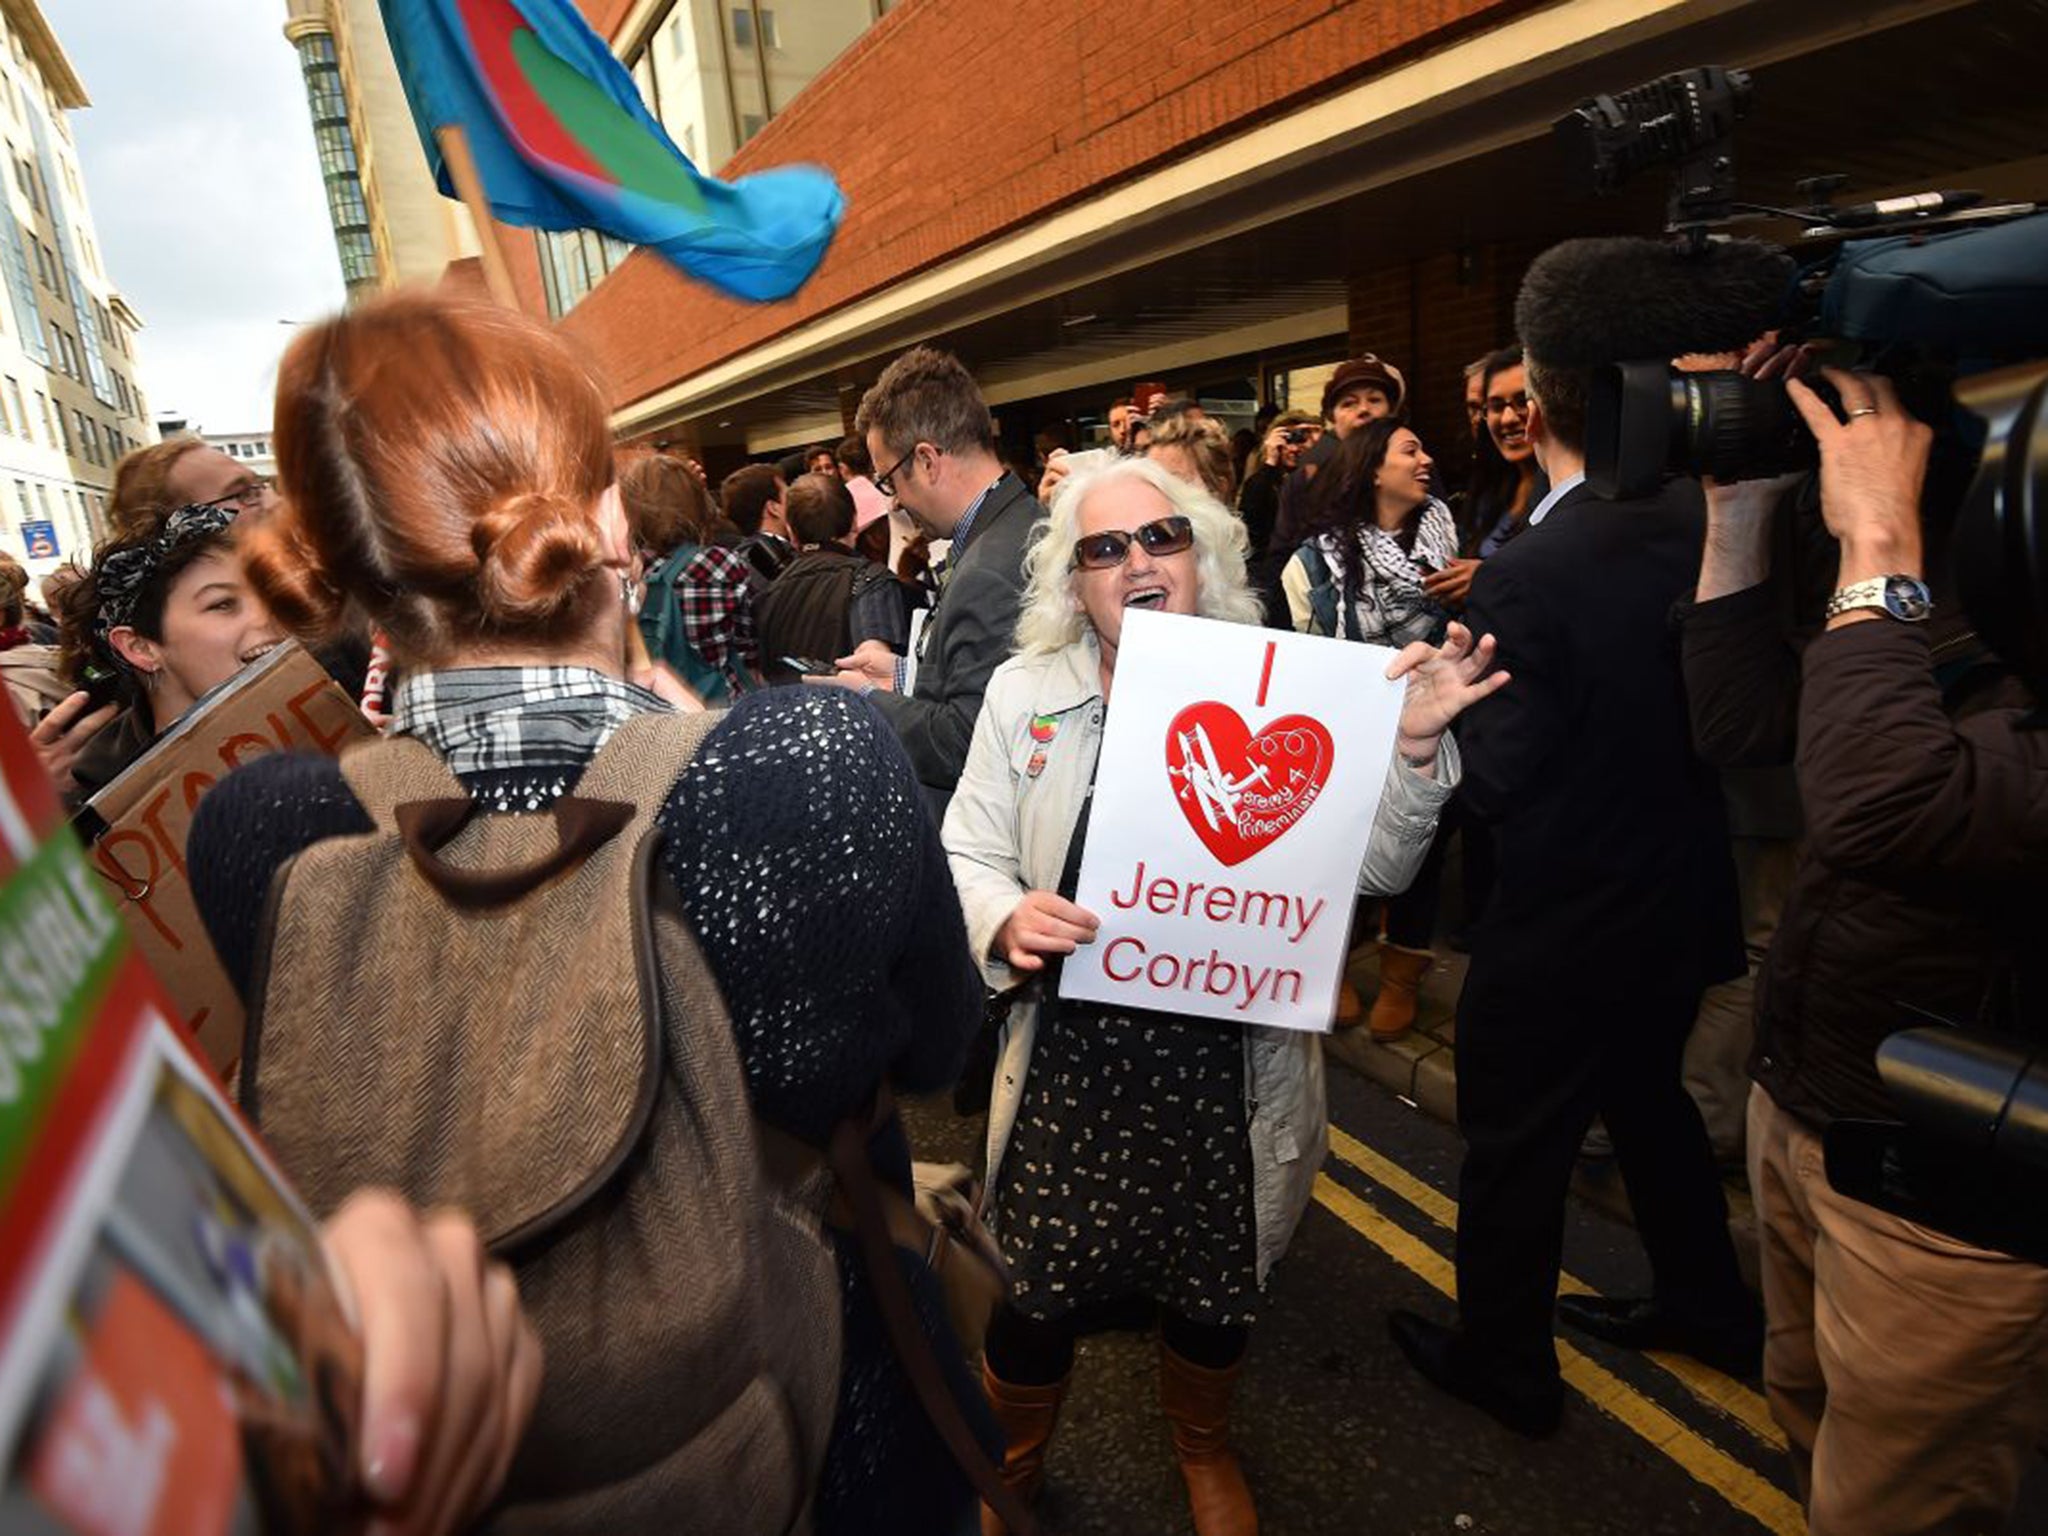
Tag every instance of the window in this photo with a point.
(742, 27)
(573, 262)
(751, 123)
(28, 511)
(43, 501)
(764, 23)
(89, 434)
(20, 411)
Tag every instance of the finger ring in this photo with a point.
(1863, 410)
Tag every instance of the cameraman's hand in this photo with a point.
(1872, 467)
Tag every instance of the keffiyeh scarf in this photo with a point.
(1392, 607)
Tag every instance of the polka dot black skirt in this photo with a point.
(1128, 1173)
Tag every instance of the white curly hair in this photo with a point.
(1051, 618)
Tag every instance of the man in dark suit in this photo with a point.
(928, 429)
(1614, 908)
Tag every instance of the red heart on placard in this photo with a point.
(1239, 791)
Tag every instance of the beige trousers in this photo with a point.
(1908, 1370)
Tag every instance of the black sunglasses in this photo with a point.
(1106, 550)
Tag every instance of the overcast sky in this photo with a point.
(199, 164)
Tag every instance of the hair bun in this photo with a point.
(289, 575)
(535, 553)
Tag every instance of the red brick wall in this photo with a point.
(1432, 316)
(951, 122)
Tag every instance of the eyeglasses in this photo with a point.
(246, 497)
(885, 482)
(1107, 550)
(1518, 403)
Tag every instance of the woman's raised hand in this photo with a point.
(1443, 682)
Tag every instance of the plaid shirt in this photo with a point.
(718, 613)
(484, 718)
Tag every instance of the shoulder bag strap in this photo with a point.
(849, 1159)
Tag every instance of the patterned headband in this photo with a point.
(121, 576)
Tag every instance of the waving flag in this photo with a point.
(562, 140)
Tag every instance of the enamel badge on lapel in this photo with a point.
(1043, 729)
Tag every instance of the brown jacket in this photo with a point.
(1919, 893)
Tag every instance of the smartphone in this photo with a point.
(810, 666)
(102, 685)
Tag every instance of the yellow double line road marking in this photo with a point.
(1746, 1490)
(1705, 1383)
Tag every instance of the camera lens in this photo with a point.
(1733, 428)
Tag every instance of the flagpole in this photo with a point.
(470, 188)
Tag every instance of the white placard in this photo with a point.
(1241, 770)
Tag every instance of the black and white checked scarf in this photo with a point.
(480, 718)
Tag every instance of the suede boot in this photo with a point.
(1196, 1401)
(1350, 1006)
(1401, 973)
(1027, 1416)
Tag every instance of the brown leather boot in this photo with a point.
(1401, 973)
(1027, 1416)
(1196, 1401)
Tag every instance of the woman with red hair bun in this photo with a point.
(446, 471)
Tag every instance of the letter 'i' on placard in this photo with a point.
(1240, 773)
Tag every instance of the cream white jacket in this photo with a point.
(1007, 832)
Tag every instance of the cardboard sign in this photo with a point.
(173, 1354)
(1241, 770)
(284, 703)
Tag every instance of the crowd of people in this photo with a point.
(710, 817)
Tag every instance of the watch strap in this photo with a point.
(1875, 595)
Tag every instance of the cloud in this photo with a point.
(198, 160)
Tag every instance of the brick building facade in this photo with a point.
(1073, 197)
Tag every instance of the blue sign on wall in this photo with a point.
(40, 539)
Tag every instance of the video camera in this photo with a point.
(1946, 297)
(1969, 1155)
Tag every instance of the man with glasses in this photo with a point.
(928, 427)
(206, 477)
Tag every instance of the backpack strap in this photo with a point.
(913, 1347)
(1322, 589)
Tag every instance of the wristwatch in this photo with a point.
(1904, 598)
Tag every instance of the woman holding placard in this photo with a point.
(166, 614)
(1141, 1155)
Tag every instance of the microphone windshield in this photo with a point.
(1586, 303)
